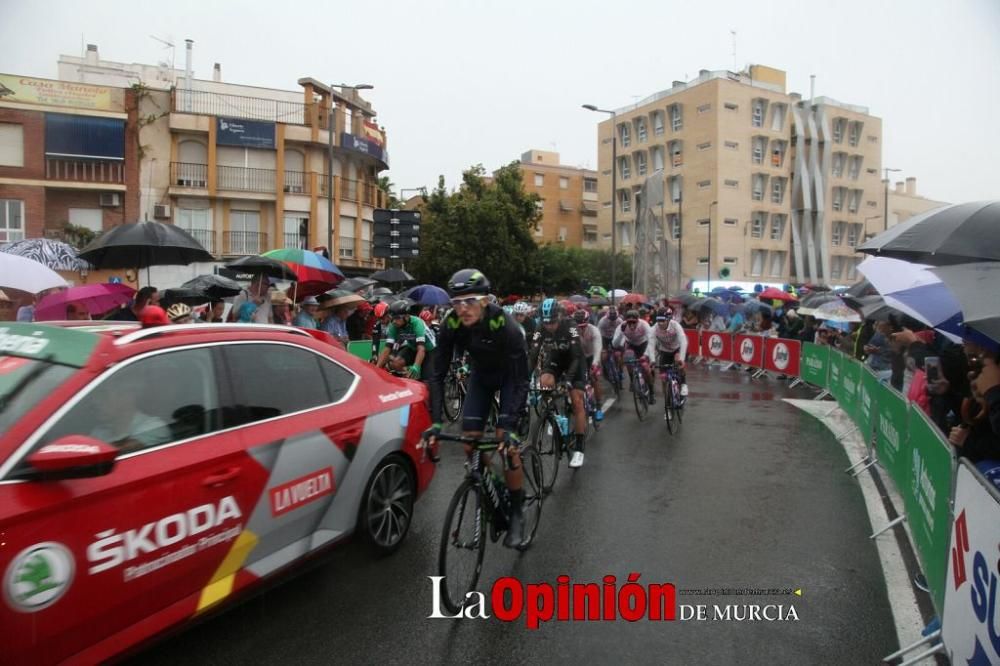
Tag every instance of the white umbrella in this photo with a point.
(891, 275)
(914, 290)
(619, 293)
(975, 287)
(27, 275)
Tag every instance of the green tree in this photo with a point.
(387, 186)
(77, 236)
(567, 270)
(485, 224)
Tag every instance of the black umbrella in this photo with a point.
(393, 275)
(182, 295)
(356, 283)
(863, 288)
(381, 291)
(144, 244)
(256, 265)
(213, 286)
(955, 234)
(871, 307)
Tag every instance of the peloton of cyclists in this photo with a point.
(634, 334)
(671, 344)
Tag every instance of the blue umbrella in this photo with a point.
(427, 294)
(716, 306)
(753, 306)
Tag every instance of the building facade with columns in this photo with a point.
(759, 184)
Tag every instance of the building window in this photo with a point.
(676, 119)
(674, 185)
(732, 184)
(640, 163)
(777, 153)
(731, 106)
(704, 108)
(704, 184)
(590, 185)
(777, 263)
(729, 260)
(657, 157)
(757, 260)
(11, 145)
(838, 129)
(625, 134)
(778, 117)
(626, 200)
(705, 146)
(563, 183)
(757, 119)
(872, 138)
(838, 164)
(777, 226)
(89, 218)
(854, 133)
(871, 171)
(657, 123)
(731, 221)
(854, 201)
(640, 129)
(624, 168)
(852, 234)
(11, 220)
(759, 144)
(676, 157)
(703, 261)
(732, 145)
(757, 225)
(854, 167)
(759, 183)
(366, 239)
(836, 267)
(674, 221)
(589, 236)
(838, 198)
(539, 179)
(346, 250)
(777, 190)
(837, 233)
(703, 222)
(871, 204)
(244, 232)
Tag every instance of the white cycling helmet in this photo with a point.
(521, 308)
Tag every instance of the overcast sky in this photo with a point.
(473, 81)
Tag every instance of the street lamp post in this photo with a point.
(614, 193)
(885, 211)
(708, 286)
(329, 163)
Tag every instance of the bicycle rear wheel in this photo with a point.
(547, 442)
(463, 544)
(678, 403)
(533, 493)
(639, 396)
(454, 397)
(668, 407)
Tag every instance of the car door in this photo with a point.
(301, 425)
(128, 553)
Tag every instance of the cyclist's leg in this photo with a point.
(514, 474)
(594, 375)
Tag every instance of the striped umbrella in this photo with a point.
(314, 272)
(55, 254)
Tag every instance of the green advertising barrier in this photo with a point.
(926, 495)
(890, 434)
(834, 385)
(866, 404)
(850, 379)
(815, 364)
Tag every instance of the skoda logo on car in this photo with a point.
(38, 576)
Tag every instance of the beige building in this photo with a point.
(780, 188)
(246, 169)
(569, 202)
(904, 202)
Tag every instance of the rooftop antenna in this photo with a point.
(735, 66)
(169, 44)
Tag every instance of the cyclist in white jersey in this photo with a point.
(635, 334)
(590, 340)
(671, 344)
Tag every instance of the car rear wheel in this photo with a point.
(387, 505)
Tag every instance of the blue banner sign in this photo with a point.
(245, 133)
(359, 144)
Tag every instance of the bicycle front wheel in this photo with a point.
(668, 407)
(463, 544)
(453, 398)
(678, 404)
(547, 443)
(639, 397)
(533, 493)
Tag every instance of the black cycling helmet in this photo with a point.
(468, 281)
(632, 315)
(664, 314)
(400, 308)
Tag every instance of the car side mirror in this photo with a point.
(72, 457)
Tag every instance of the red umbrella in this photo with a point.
(774, 294)
(97, 298)
(634, 298)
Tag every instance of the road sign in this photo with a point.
(401, 216)
(409, 228)
(394, 253)
(397, 233)
(405, 242)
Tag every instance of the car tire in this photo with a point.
(386, 511)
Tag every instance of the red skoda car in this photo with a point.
(148, 475)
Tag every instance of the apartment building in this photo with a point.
(569, 203)
(68, 155)
(247, 169)
(904, 202)
(748, 170)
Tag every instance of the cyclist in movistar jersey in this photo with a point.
(497, 356)
(590, 341)
(671, 344)
(560, 342)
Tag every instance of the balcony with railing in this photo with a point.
(296, 241)
(84, 170)
(187, 174)
(204, 236)
(203, 102)
(245, 179)
(358, 191)
(243, 242)
(297, 182)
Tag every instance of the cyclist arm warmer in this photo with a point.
(619, 337)
(517, 373)
(446, 345)
(598, 343)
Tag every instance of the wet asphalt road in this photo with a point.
(750, 494)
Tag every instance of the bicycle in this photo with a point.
(673, 402)
(637, 384)
(590, 405)
(481, 507)
(613, 373)
(455, 390)
(552, 438)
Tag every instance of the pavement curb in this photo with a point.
(905, 606)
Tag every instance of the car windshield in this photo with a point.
(24, 382)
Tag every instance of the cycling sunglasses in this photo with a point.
(465, 302)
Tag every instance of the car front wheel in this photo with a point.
(387, 505)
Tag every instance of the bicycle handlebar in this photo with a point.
(483, 443)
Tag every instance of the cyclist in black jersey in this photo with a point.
(498, 361)
(559, 340)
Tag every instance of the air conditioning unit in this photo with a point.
(111, 199)
(161, 212)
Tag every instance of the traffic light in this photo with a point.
(396, 234)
